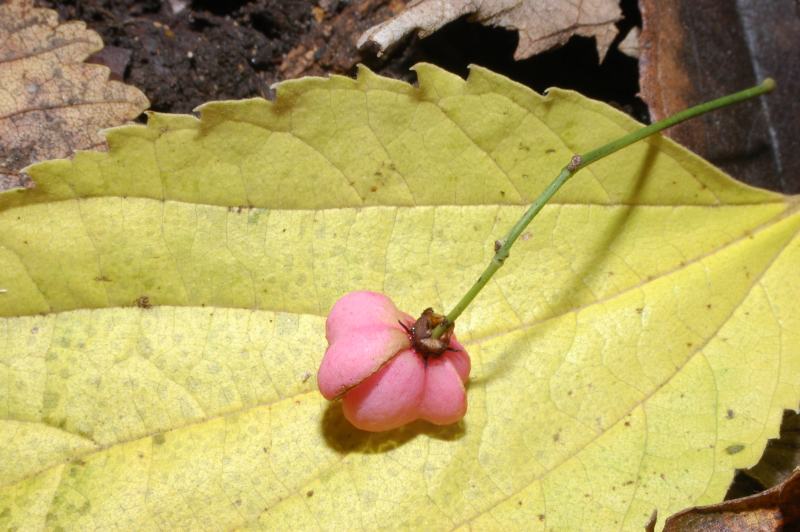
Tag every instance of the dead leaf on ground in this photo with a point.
(630, 44)
(330, 45)
(691, 50)
(773, 509)
(541, 24)
(51, 103)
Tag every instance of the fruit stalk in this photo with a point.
(577, 163)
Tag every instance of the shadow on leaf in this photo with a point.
(344, 438)
(626, 207)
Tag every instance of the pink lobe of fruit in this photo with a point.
(445, 399)
(384, 381)
(389, 398)
(363, 333)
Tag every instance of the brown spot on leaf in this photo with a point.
(143, 302)
(734, 449)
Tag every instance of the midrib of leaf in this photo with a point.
(28, 240)
(791, 211)
(101, 448)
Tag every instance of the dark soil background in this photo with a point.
(210, 50)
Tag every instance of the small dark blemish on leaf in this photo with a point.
(238, 502)
(639, 310)
(310, 493)
(102, 279)
(541, 517)
(159, 439)
(143, 302)
(557, 436)
(734, 449)
(708, 306)
(519, 503)
(627, 423)
(689, 344)
(550, 150)
(265, 450)
(503, 193)
(730, 414)
(373, 189)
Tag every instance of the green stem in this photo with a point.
(577, 163)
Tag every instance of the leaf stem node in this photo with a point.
(574, 163)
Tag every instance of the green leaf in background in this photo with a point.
(165, 308)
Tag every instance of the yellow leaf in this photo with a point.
(638, 346)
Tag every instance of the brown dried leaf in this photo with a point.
(630, 44)
(51, 103)
(329, 45)
(690, 50)
(769, 510)
(542, 24)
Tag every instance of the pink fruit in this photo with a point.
(383, 380)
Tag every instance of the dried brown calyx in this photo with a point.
(421, 334)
